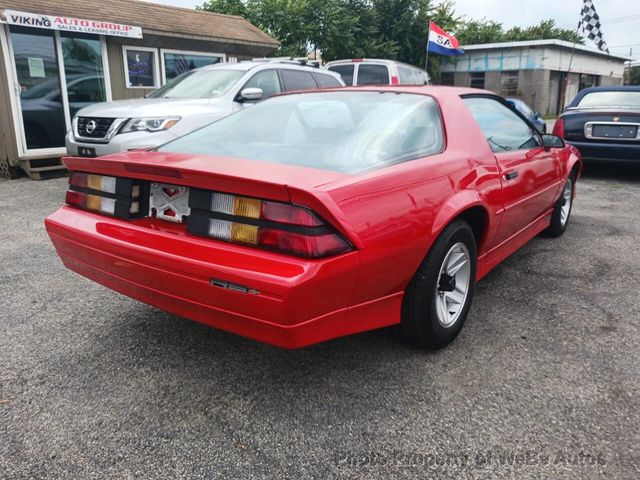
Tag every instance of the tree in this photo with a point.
(394, 29)
(479, 31)
(228, 7)
(632, 76)
(545, 30)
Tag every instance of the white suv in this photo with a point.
(375, 71)
(189, 101)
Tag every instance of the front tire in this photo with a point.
(562, 210)
(438, 298)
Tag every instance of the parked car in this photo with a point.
(603, 123)
(533, 117)
(319, 214)
(374, 71)
(186, 103)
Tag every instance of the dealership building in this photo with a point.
(58, 57)
(534, 71)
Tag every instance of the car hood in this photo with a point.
(152, 107)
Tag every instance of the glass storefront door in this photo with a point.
(82, 57)
(43, 86)
(36, 65)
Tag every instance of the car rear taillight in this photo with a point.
(558, 127)
(115, 196)
(262, 223)
(395, 80)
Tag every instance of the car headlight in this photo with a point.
(149, 124)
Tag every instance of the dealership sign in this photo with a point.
(69, 24)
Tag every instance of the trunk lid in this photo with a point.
(575, 121)
(284, 183)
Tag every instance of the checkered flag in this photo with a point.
(590, 24)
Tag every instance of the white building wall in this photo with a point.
(537, 58)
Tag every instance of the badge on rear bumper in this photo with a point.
(169, 202)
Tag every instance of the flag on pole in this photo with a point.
(441, 42)
(590, 25)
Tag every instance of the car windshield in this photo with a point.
(611, 99)
(199, 84)
(342, 131)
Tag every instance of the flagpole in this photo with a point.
(565, 86)
(426, 60)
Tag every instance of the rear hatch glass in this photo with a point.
(344, 131)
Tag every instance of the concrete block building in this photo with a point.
(534, 70)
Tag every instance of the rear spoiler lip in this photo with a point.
(602, 110)
(317, 200)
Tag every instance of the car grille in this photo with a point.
(94, 127)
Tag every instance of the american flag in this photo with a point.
(590, 25)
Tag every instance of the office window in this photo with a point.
(476, 80)
(509, 84)
(176, 62)
(140, 67)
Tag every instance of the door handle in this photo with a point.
(511, 175)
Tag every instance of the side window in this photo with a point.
(406, 76)
(297, 80)
(371, 74)
(325, 81)
(267, 80)
(345, 71)
(503, 129)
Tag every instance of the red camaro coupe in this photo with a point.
(318, 214)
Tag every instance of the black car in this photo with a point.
(603, 123)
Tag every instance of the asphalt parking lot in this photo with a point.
(543, 382)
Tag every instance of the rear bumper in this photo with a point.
(292, 303)
(614, 152)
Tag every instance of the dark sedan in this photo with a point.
(603, 123)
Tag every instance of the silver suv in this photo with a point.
(189, 101)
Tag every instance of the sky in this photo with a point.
(620, 18)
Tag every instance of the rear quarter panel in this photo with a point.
(399, 211)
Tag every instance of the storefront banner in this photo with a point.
(69, 24)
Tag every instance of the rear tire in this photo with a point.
(438, 298)
(562, 210)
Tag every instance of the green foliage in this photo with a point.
(395, 29)
(479, 31)
(545, 30)
(469, 32)
(229, 7)
(633, 76)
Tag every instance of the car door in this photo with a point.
(267, 80)
(530, 174)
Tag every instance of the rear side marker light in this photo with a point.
(262, 223)
(115, 196)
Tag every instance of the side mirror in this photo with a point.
(250, 94)
(552, 141)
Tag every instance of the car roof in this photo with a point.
(614, 88)
(250, 65)
(371, 60)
